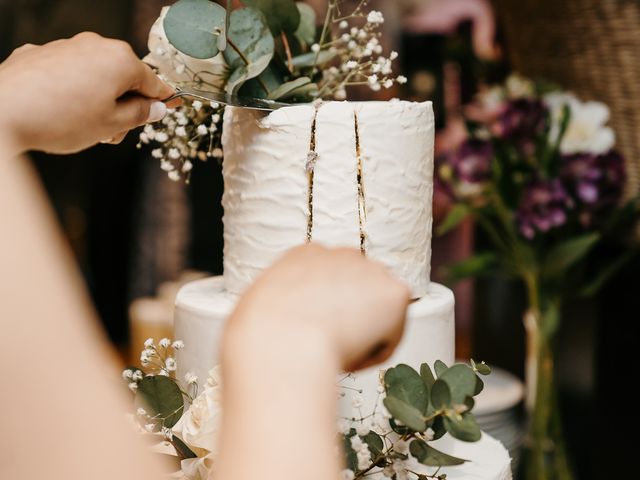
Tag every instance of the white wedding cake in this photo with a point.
(342, 174)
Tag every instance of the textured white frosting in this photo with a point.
(202, 308)
(266, 199)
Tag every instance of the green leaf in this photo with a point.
(375, 444)
(399, 429)
(309, 59)
(405, 413)
(282, 15)
(454, 218)
(479, 386)
(482, 368)
(351, 458)
(252, 88)
(405, 384)
(440, 395)
(162, 398)
(182, 449)
(568, 253)
(195, 26)
(427, 375)
(249, 34)
(461, 381)
(463, 427)
(306, 31)
(473, 266)
(438, 428)
(440, 367)
(550, 320)
(427, 455)
(606, 274)
(286, 89)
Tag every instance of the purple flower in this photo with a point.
(471, 163)
(522, 120)
(597, 181)
(543, 206)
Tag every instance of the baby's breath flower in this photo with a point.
(340, 94)
(161, 137)
(190, 378)
(388, 83)
(149, 427)
(202, 129)
(401, 79)
(178, 344)
(174, 175)
(354, 31)
(170, 363)
(133, 386)
(375, 17)
(351, 64)
(217, 153)
(141, 412)
(315, 48)
(187, 166)
(148, 343)
(215, 118)
(127, 374)
(373, 79)
(181, 131)
(345, 37)
(174, 153)
(393, 55)
(197, 105)
(165, 342)
(157, 153)
(344, 24)
(166, 166)
(137, 376)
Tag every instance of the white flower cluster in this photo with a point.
(156, 359)
(187, 133)
(360, 56)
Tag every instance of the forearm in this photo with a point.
(62, 379)
(280, 404)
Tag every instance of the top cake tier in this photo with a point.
(342, 174)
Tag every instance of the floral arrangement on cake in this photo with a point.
(414, 408)
(265, 49)
(540, 175)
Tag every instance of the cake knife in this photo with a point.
(229, 100)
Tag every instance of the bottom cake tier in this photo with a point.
(202, 308)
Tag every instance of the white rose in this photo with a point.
(196, 468)
(180, 69)
(200, 425)
(587, 131)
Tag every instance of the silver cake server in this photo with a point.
(229, 100)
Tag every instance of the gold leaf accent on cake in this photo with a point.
(362, 207)
(312, 158)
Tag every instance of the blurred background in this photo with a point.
(136, 235)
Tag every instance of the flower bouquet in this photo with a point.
(265, 49)
(539, 174)
(414, 408)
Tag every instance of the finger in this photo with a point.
(23, 49)
(146, 83)
(133, 111)
(117, 139)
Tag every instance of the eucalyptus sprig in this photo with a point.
(422, 407)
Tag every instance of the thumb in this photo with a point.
(133, 111)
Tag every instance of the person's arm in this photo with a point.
(63, 401)
(316, 313)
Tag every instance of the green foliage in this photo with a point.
(405, 384)
(455, 217)
(306, 32)
(474, 266)
(463, 427)
(427, 455)
(162, 398)
(566, 254)
(184, 452)
(282, 15)
(251, 47)
(440, 395)
(307, 60)
(299, 87)
(427, 376)
(440, 367)
(406, 413)
(195, 27)
(461, 381)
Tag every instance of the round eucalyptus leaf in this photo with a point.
(463, 427)
(253, 88)
(282, 15)
(162, 398)
(404, 383)
(308, 60)
(286, 88)
(440, 395)
(194, 27)
(306, 31)
(479, 386)
(405, 413)
(483, 369)
(375, 444)
(440, 367)
(350, 456)
(249, 33)
(427, 375)
(438, 428)
(462, 382)
(427, 455)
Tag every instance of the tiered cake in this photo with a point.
(343, 174)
